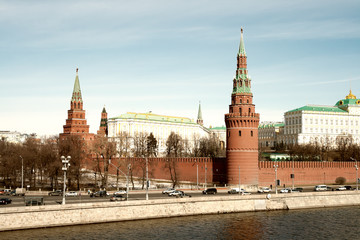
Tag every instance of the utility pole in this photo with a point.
(239, 182)
(147, 179)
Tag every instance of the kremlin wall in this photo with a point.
(242, 151)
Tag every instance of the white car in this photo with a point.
(286, 190)
(341, 188)
(168, 190)
(264, 190)
(71, 194)
(245, 193)
(235, 190)
(120, 192)
(176, 193)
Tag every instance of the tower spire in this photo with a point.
(242, 81)
(199, 117)
(76, 99)
(242, 45)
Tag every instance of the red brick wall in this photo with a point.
(306, 173)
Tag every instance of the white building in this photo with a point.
(161, 126)
(324, 124)
(14, 137)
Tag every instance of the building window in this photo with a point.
(239, 133)
(252, 133)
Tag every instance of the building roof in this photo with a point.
(317, 108)
(217, 128)
(271, 125)
(154, 117)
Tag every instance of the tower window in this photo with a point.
(252, 134)
(228, 133)
(239, 133)
(249, 110)
(240, 100)
(247, 101)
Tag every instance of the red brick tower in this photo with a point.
(103, 129)
(242, 127)
(76, 122)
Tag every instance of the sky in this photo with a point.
(167, 56)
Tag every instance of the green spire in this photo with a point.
(199, 117)
(242, 45)
(76, 95)
(104, 110)
(199, 112)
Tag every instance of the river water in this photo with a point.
(324, 223)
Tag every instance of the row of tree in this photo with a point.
(343, 149)
(42, 167)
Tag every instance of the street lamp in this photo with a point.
(66, 165)
(356, 168)
(22, 172)
(276, 181)
(126, 176)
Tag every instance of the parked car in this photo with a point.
(71, 194)
(120, 192)
(55, 193)
(2, 192)
(210, 191)
(349, 188)
(5, 201)
(175, 193)
(264, 190)
(285, 190)
(341, 188)
(320, 188)
(245, 193)
(117, 197)
(235, 190)
(101, 193)
(34, 201)
(168, 190)
(299, 189)
(7, 191)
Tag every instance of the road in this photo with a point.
(133, 196)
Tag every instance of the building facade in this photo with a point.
(324, 124)
(242, 127)
(270, 134)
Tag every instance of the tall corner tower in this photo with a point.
(76, 123)
(103, 129)
(242, 127)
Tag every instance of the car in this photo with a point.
(235, 190)
(168, 190)
(120, 192)
(320, 188)
(5, 201)
(285, 190)
(264, 190)
(182, 194)
(117, 197)
(299, 189)
(2, 192)
(245, 193)
(341, 188)
(55, 193)
(7, 191)
(210, 191)
(101, 193)
(71, 194)
(175, 193)
(349, 187)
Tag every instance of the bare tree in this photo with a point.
(174, 148)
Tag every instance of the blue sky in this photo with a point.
(166, 56)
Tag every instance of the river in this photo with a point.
(324, 223)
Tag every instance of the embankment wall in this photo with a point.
(87, 213)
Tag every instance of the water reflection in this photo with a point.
(331, 223)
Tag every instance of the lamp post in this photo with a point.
(356, 168)
(22, 172)
(147, 179)
(126, 176)
(205, 176)
(276, 181)
(239, 182)
(66, 165)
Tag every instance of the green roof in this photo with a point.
(154, 117)
(218, 128)
(76, 95)
(318, 109)
(345, 102)
(271, 125)
(242, 45)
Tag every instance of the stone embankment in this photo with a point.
(86, 213)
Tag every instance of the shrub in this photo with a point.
(340, 180)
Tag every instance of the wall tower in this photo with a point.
(242, 127)
(76, 121)
(103, 129)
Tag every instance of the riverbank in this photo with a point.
(87, 213)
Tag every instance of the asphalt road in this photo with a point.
(133, 196)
